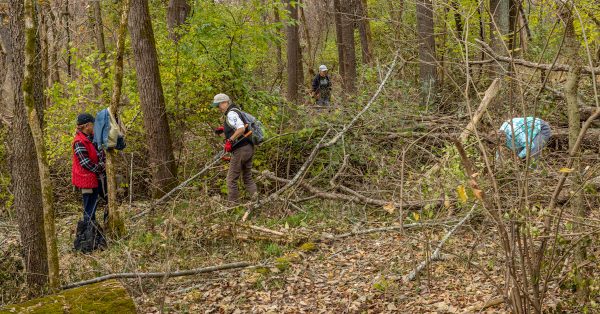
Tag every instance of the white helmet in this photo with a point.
(322, 68)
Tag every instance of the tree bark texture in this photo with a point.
(158, 136)
(349, 46)
(115, 224)
(339, 37)
(294, 65)
(177, 13)
(51, 39)
(95, 19)
(309, 46)
(571, 49)
(499, 24)
(33, 95)
(364, 29)
(426, 39)
(25, 172)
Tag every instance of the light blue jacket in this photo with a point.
(101, 129)
(521, 133)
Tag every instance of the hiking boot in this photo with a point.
(89, 237)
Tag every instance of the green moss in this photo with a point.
(105, 297)
(282, 263)
(308, 247)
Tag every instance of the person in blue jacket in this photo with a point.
(517, 132)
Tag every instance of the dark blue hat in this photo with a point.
(84, 118)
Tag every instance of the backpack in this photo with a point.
(254, 125)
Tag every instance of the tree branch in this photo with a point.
(529, 64)
(189, 272)
(436, 254)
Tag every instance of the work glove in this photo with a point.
(220, 130)
(228, 145)
(226, 158)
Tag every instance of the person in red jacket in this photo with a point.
(88, 166)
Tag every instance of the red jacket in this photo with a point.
(81, 177)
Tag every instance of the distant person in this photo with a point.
(241, 148)
(88, 173)
(517, 131)
(321, 87)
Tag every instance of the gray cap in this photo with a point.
(219, 98)
(322, 68)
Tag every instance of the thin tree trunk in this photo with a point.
(426, 39)
(293, 53)
(33, 96)
(53, 67)
(309, 46)
(339, 37)
(25, 175)
(278, 49)
(457, 18)
(514, 25)
(115, 224)
(499, 24)
(177, 13)
(364, 29)
(571, 48)
(67, 17)
(95, 17)
(348, 24)
(152, 99)
(396, 8)
(526, 31)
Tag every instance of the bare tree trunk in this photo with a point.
(396, 8)
(426, 39)
(152, 99)
(339, 37)
(278, 49)
(53, 68)
(349, 47)
(33, 96)
(115, 224)
(525, 31)
(67, 17)
(457, 18)
(293, 54)
(309, 47)
(499, 24)
(177, 13)
(571, 48)
(95, 18)
(364, 29)
(513, 26)
(25, 170)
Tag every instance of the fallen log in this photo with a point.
(104, 297)
(189, 272)
(356, 197)
(489, 95)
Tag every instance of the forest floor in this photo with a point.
(356, 274)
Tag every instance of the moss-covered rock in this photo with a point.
(105, 297)
(308, 247)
